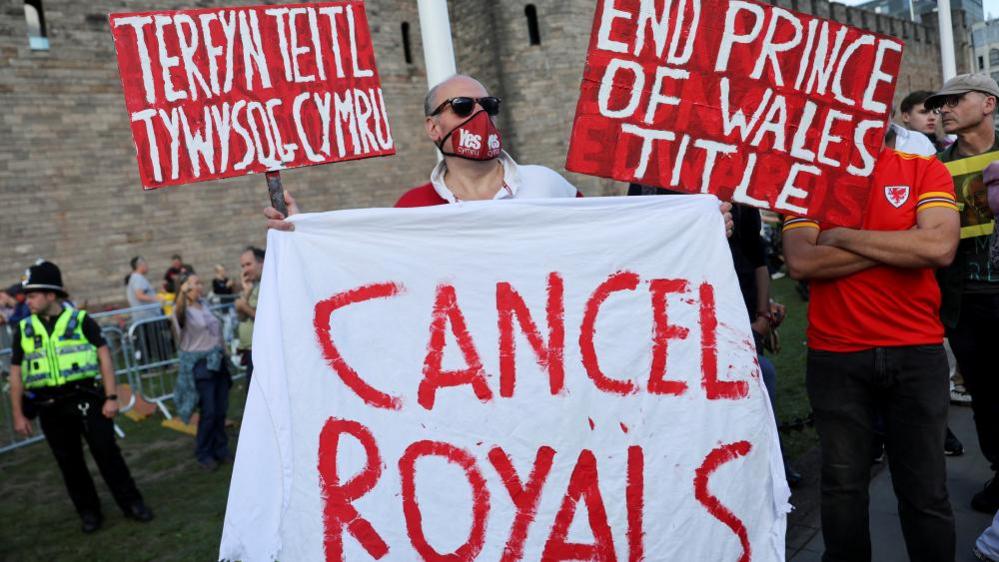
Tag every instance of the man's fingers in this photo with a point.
(272, 213)
(280, 225)
(289, 200)
(24, 428)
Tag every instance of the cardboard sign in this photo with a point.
(751, 102)
(980, 241)
(977, 218)
(426, 393)
(224, 92)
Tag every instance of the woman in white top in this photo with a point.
(203, 379)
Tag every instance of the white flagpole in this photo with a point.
(438, 51)
(946, 40)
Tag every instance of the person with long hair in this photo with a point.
(204, 379)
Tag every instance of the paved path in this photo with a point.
(965, 476)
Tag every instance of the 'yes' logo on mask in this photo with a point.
(470, 141)
(493, 142)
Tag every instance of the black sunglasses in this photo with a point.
(462, 106)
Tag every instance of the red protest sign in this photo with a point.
(751, 102)
(222, 92)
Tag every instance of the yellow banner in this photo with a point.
(978, 230)
(971, 165)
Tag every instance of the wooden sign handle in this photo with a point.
(276, 192)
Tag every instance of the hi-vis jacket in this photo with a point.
(63, 357)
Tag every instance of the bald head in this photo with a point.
(455, 86)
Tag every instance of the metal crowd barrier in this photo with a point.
(10, 439)
(144, 353)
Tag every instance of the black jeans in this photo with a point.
(909, 387)
(63, 424)
(246, 359)
(211, 443)
(973, 342)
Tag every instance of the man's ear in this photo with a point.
(433, 129)
(990, 105)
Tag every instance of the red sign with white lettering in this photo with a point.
(223, 92)
(750, 102)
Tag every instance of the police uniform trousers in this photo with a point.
(65, 421)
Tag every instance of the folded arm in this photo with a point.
(931, 243)
(807, 259)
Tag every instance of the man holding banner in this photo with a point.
(875, 345)
(970, 286)
(460, 121)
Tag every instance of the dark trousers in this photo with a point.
(211, 442)
(246, 359)
(974, 342)
(909, 387)
(63, 424)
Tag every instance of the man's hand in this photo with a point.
(21, 425)
(777, 313)
(110, 409)
(247, 284)
(276, 220)
(761, 325)
(726, 211)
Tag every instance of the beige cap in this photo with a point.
(962, 84)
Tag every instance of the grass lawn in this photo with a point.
(792, 400)
(39, 522)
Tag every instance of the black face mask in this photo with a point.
(476, 138)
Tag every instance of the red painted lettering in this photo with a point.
(525, 497)
(509, 303)
(446, 311)
(635, 499)
(338, 511)
(714, 388)
(662, 333)
(715, 459)
(323, 315)
(620, 281)
(411, 508)
(582, 485)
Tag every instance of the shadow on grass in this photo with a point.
(39, 522)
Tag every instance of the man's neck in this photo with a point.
(52, 311)
(472, 180)
(977, 140)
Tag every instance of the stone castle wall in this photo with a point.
(69, 186)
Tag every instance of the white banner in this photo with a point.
(519, 380)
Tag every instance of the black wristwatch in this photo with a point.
(110, 397)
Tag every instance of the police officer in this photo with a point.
(58, 365)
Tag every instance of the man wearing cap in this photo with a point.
(61, 371)
(970, 286)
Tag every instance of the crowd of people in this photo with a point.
(61, 370)
(882, 300)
